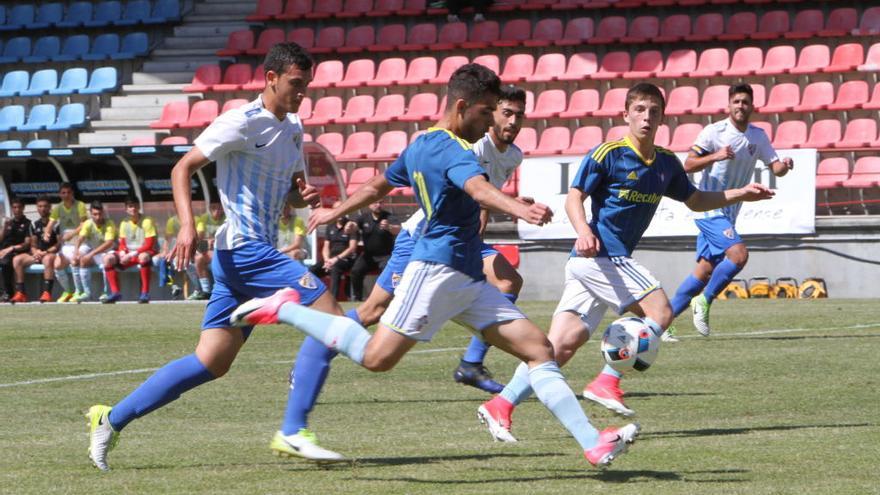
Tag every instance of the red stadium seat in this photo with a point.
(550, 104)
(612, 103)
(447, 67)
(580, 66)
(266, 10)
(807, 23)
(357, 110)
(390, 145)
(680, 63)
(421, 71)
(205, 78)
(872, 61)
(546, 32)
(831, 172)
(712, 63)
(324, 9)
(614, 65)
(817, 96)
(173, 114)
(451, 35)
(305, 109)
(482, 35)
(548, 68)
(530, 102)
(584, 139)
(202, 113)
(237, 102)
(304, 37)
(859, 133)
(327, 74)
(358, 39)
(684, 136)
(869, 25)
(420, 37)
(258, 80)
(779, 60)
(865, 174)
(235, 77)
(174, 140)
(526, 140)
(489, 61)
(577, 32)
(389, 38)
(823, 134)
(238, 43)
(840, 22)
(517, 68)
(390, 72)
(774, 24)
(740, 26)
(359, 177)
(662, 137)
(357, 146)
(674, 28)
(746, 62)
(355, 8)
(609, 30)
(616, 133)
(358, 73)
(333, 141)
(514, 33)
(812, 59)
(783, 98)
(715, 100)
(643, 29)
(581, 104)
(767, 127)
(267, 39)
(847, 57)
(388, 108)
(413, 7)
(422, 106)
(329, 39)
(554, 140)
(707, 27)
(760, 95)
(874, 102)
(646, 65)
(295, 9)
(325, 111)
(851, 95)
(682, 100)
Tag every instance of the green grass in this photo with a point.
(784, 412)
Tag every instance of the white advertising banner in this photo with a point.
(790, 211)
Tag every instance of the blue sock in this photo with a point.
(510, 297)
(555, 394)
(166, 385)
(476, 351)
(309, 374)
(519, 388)
(721, 276)
(337, 332)
(162, 265)
(608, 370)
(353, 314)
(686, 291)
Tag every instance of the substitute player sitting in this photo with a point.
(69, 215)
(207, 226)
(96, 237)
(41, 251)
(138, 243)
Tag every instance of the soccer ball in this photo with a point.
(629, 344)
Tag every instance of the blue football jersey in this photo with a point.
(625, 189)
(436, 166)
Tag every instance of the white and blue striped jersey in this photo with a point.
(748, 147)
(256, 156)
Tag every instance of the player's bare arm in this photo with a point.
(711, 200)
(781, 167)
(587, 244)
(187, 238)
(490, 197)
(695, 163)
(372, 191)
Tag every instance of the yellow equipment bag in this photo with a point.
(813, 288)
(784, 288)
(759, 287)
(736, 289)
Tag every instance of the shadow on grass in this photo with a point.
(712, 432)
(666, 394)
(610, 476)
(802, 337)
(421, 460)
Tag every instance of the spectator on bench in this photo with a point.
(339, 251)
(69, 215)
(206, 226)
(14, 240)
(377, 232)
(41, 251)
(96, 237)
(292, 234)
(138, 242)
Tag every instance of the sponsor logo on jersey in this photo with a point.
(633, 175)
(639, 197)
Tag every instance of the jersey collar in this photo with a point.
(466, 145)
(644, 160)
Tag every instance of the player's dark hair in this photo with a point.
(283, 55)
(96, 205)
(131, 201)
(509, 92)
(16, 201)
(472, 82)
(741, 88)
(66, 185)
(45, 198)
(645, 90)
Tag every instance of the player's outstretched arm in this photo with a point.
(710, 200)
(695, 163)
(372, 191)
(491, 197)
(184, 250)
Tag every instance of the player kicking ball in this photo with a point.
(444, 279)
(625, 180)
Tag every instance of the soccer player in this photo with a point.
(444, 279)
(207, 226)
(70, 215)
(138, 243)
(338, 252)
(166, 277)
(726, 152)
(258, 151)
(14, 240)
(96, 238)
(41, 251)
(625, 180)
(292, 234)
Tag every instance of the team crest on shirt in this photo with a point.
(307, 281)
(728, 233)
(395, 279)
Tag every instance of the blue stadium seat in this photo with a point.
(48, 14)
(136, 11)
(42, 81)
(77, 15)
(41, 116)
(104, 45)
(44, 49)
(2, 16)
(102, 79)
(15, 50)
(11, 116)
(133, 45)
(106, 13)
(165, 11)
(71, 116)
(39, 144)
(73, 80)
(14, 82)
(19, 17)
(75, 48)
(10, 144)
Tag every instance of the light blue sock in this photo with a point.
(192, 274)
(63, 278)
(721, 276)
(519, 388)
(205, 283)
(655, 327)
(550, 387)
(608, 370)
(85, 276)
(77, 282)
(686, 291)
(166, 385)
(336, 332)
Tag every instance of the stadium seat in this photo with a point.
(514, 33)
(357, 146)
(390, 145)
(548, 68)
(105, 14)
(238, 43)
(739, 26)
(359, 177)
(773, 25)
(680, 63)
(73, 80)
(135, 12)
(582, 103)
(103, 47)
(674, 28)
(358, 39)
(526, 140)
(358, 73)
(201, 114)
(44, 49)
(715, 100)
(874, 102)
(302, 36)
(14, 82)
(165, 11)
(712, 63)
(616, 133)
(15, 50)
(267, 39)
(295, 9)
(554, 140)
(420, 37)
(390, 36)
(173, 114)
(707, 27)
(517, 68)
(840, 22)
(327, 74)
(39, 118)
(831, 172)
(388, 109)
(546, 32)
(234, 79)
(422, 106)
(78, 13)
(102, 80)
(662, 137)
(482, 35)
(682, 100)
(610, 29)
(783, 98)
(550, 104)
(390, 72)
(860, 133)
(204, 79)
(447, 67)
(823, 134)
(489, 61)
(450, 36)
(39, 144)
(846, 57)
(812, 59)
(851, 95)
(48, 14)
(645, 65)
(266, 10)
(42, 81)
(746, 61)
(865, 174)
(133, 45)
(333, 141)
(642, 29)
(817, 96)
(355, 8)
(10, 144)
(790, 134)
(614, 65)
(577, 32)
(20, 16)
(325, 111)
(779, 60)
(807, 23)
(174, 140)
(70, 116)
(329, 39)
(305, 108)
(11, 117)
(584, 139)
(384, 8)
(237, 102)
(421, 70)
(357, 110)
(872, 60)
(74, 48)
(613, 103)
(324, 9)
(684, 136)
(869, 24)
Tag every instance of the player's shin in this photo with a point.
(336, 332)
(550, 388)
(686, 291)
(519, 388)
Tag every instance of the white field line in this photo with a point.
(430, 351)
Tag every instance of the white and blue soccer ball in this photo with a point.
(629, 344)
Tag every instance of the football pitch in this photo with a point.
(782, 399)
